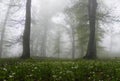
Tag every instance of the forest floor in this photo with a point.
(59, 70)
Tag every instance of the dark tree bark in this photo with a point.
(91, 51)
(26, 34)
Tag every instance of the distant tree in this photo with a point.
(57, 46)
(26, 34)
(3, 31)
(72, 30)
(44, 41)
(4, 27)
(91, 50)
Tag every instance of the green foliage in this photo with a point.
(79, 13)
(35, 70)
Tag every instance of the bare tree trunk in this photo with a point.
(4, 28)
(59, 42)
(82, 51)
(26, 34)
(91, 51)
(44, 42)
(73, 43)
(111, 40)
(32, 48)
(36, 49)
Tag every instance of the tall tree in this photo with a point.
(80, 12)
(91, 50)
(4, 28)
(72, 22)
(26, 34)
(57, 46)
(44, 42)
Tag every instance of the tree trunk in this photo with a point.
(73, 43)
(59, 42)
(91, 51)
(4, 28)
(44, 42)
(26, 34)
(82, 51)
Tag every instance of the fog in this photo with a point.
(49, 25)
(113, 27)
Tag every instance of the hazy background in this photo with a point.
(52, 11)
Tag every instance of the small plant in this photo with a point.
(35, 70)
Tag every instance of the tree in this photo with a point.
(72, 31)
(3, 29)
(57, 46)
(26, 34)
(11, 4)
(91, 50)
(44, 41)
(80, 15)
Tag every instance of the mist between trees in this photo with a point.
(59, 29)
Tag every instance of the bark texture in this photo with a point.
(91, 51)
(26, 34)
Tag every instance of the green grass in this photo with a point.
(59, 70)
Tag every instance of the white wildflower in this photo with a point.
(35, 68)
(54, 76)
(4, 69)
(31, 75)
(11, 76)
(68, 71)
(13, 73)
